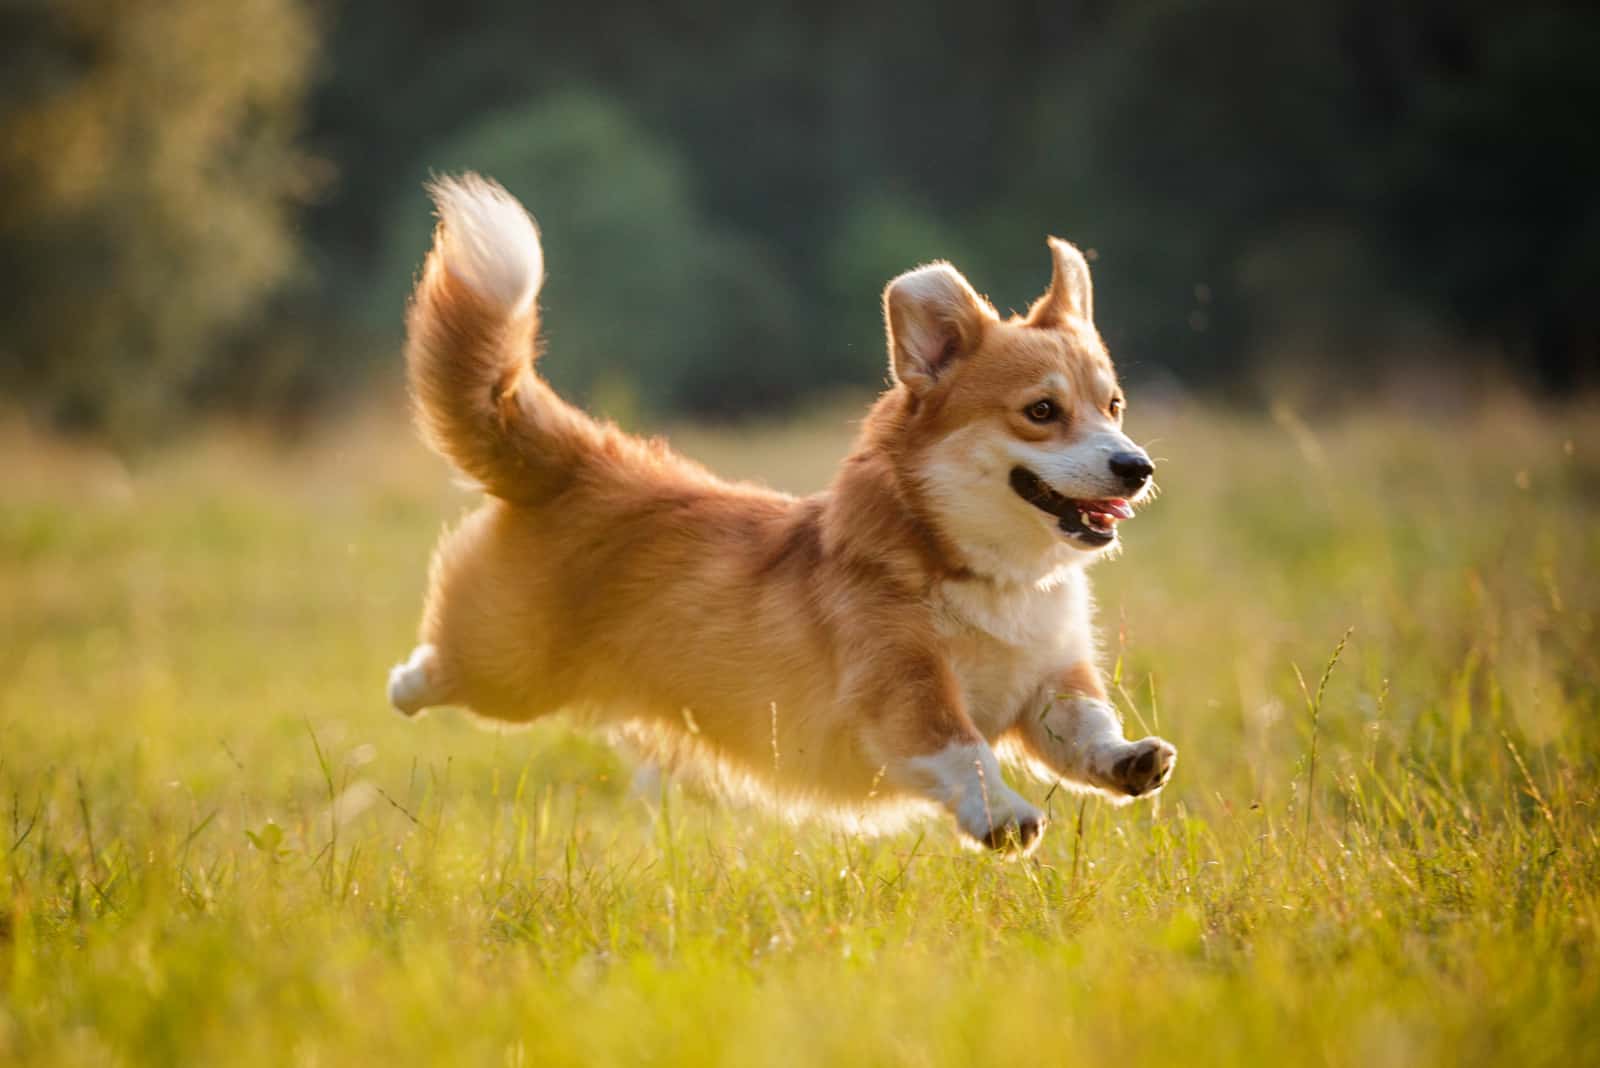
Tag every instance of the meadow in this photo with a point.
(1372, 638)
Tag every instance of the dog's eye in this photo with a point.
(1042, 411)
(1116, 407)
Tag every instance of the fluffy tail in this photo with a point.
(471, 336)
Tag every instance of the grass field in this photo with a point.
(220, 847)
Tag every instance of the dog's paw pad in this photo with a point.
(1145, 768)
(1019, 836)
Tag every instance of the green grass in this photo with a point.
(218, 846)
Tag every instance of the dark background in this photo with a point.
(217, 206)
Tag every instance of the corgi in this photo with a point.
(869, 648)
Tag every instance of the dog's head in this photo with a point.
(1013, 427)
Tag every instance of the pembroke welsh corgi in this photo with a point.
(861, 649)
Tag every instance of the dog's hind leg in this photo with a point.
(418, 683)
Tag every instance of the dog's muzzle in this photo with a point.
(1090, 522)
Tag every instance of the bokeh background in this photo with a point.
(218, 208)
(1348, 262)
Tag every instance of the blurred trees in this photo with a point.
(1329, 185)
(148, 170)
(1334, 185)
(645, 285)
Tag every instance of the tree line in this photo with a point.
(211, 205)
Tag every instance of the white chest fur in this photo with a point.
(1007, 642)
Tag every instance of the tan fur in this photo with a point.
(818, 644)
(1083, 680)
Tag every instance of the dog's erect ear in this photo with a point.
(934, 318)
(1070, 294)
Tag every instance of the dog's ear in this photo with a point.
(1070, 293)
(934, 318)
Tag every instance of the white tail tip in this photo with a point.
(488, 240)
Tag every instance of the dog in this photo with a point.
(868, 647)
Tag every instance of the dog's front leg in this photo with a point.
(1077, 734)
(964, 777)
(925, 744)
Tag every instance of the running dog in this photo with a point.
(860, 649)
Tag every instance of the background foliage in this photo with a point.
(206, 205)
(148, 166)
(1370, 629)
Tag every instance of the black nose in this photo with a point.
(1134, 468)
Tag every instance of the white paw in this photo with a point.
(646, 783)
(966, 780)
(1137, 769)
(412, 685)
(1007, 824)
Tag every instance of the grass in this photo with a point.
(1373, 641)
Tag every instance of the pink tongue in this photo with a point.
(1115, 506)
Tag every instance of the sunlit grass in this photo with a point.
(219, 846)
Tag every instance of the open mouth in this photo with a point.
(1093, 523)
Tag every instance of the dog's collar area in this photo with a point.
(1092, 523)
